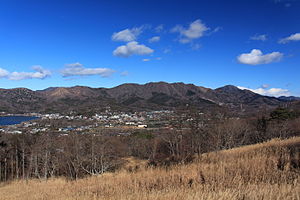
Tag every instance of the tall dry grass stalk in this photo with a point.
(263, 171)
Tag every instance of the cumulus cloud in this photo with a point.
(146, 60)
(276, 92)
(256, 57)
(154, 39)
(195, 30)
(293, 37)
(77, 69)
(127, 35)
(132, 48)
(159, 28)
(259, 37)
(40, 73)
(3, 73)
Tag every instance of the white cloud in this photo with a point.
(159, 28)
(127, 35)
(166, 50)
(154, 39)
(3, 73)
(259, 37)
(196, 46)
(265, 86)
(184, 40)
(125, 73)
(256, 57)
(293, 37)
(217, 29)
(268, 92)
(195, 30)
(132, 48)
(77, 69)
(40, 73)
(148, 59)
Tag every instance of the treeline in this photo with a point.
(24, 156)
(47, 155)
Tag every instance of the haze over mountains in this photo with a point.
(132, 97)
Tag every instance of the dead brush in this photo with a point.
(264, 171)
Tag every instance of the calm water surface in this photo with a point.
(12, 120)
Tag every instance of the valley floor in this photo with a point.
(269, 170)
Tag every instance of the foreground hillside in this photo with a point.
(263, 171)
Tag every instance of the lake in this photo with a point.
(12, 120)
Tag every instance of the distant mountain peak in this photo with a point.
(289, 98)
(149, 96)
(228, 88)
(49, 89)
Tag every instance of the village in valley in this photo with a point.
(114, 123)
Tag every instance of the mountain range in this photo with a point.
(135, 97)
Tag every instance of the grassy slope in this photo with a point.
(262, 171)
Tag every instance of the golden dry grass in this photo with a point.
(250, 172)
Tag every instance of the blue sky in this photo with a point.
(251, 44)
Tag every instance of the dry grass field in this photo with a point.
(264, 171)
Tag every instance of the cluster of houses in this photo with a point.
(105, 120)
